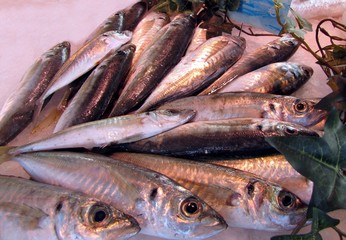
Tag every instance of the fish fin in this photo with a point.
(37, 110)
(48, 121)
(26, 217)
(4, 153)
(126, 187)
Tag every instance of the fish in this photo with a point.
(217, 137)
(94, 96)
(244, 200)
(155, 62)
(134, 14)
(100, 133)
(278, 50)
(251, 105)
(125, 19)
(18, 110)
(274, 168)
(42, 211)
(282, 78)
(198, 38)
(162, 207)
(83, 60)
(196, 70)
(146, 30)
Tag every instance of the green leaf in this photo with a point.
(302, 22)
(337, 98)
(321, 160)
(320, 221)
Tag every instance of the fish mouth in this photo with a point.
(127, 230)
(210, 226)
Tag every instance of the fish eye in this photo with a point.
(250, 188)
(191, 207)
(301, 106)
(286, 200)
(99, 215)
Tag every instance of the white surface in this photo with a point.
(30, 27)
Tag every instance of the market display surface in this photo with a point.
(137, 124)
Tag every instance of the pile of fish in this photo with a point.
(160, 121)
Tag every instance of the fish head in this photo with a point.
(193, 218)
(298, 71)
(302, 111)
(61, 49)
(116, 36)
(306, 71)
(291, 129)
(289, 40)
(274, 208)
(90, 219)
(182, 214)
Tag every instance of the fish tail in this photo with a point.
(5, 154)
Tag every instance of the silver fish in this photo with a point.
(85, 59)
(196, 70)
(145, 32)
(41, 211)
(243, 199)
(161, 206)
(217, 137)
(155, 62)
(101, 133)
(250, 105)
(281, 78)
(94, 96)
(278, 50)
(274, 168)
(18, 109)
(125, 19)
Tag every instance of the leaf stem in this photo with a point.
(341, 233)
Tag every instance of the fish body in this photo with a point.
(250, 105)
(18, 109)
(85, 59)
(41, 211)
(94, 96)
(243, 199)
(161, 206)
(125, 19)
(218, 137)
(198, 38)
(145, 32)
(155, 62)
(281, 78)
(196, 70)
(278, 50)
(101, 133)
(274, 168)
